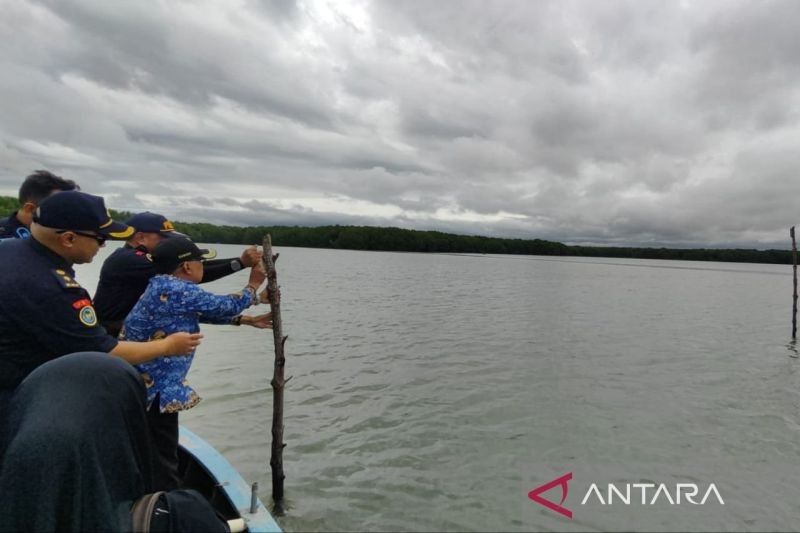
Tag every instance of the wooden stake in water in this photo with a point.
(794, 294)
(278, 382)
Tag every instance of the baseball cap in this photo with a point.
(79, 211)
(148, 222)
(172, 252)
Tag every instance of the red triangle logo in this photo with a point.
(562, 481)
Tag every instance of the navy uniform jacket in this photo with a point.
(11, 228)
(125, 275)
(44, 312)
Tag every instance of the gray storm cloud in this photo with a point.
(610, 122)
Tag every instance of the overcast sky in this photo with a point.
(647, 122)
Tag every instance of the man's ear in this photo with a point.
(66, 239)
(25, 213)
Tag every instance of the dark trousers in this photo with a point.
(164, 430)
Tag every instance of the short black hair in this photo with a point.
(41, 184)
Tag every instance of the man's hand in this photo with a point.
(263, 296)
(182, 343)
(260, 321)
(251, 257)
(257, 277)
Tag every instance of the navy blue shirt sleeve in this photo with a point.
(219, 268)
(61, 316)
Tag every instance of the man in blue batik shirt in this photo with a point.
(174, 302)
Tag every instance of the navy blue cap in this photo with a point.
(168, 254)
(148, 222)
(79, 211)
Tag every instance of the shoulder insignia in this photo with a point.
(65, 280)
(87, 316)
(140, 253)
(80, 304)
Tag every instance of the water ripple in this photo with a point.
(421, 403)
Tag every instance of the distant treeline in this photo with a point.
(403, 240)
(8, 205)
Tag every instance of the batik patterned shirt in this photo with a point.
(170, 305)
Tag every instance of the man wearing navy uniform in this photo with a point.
(34, 189)
(44, 311)
(127, 271)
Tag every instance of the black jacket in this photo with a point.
(125, 275)
(44, 312)
(12, 228)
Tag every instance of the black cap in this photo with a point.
(172, 252)
(79, 211)
(148, 222)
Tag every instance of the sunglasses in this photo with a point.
(101, 239)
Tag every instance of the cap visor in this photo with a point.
(171, 233)
(118, 231)
(208, 254)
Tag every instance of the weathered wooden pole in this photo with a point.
(794, 278)
(278, 381)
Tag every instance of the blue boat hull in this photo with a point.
(204, 469)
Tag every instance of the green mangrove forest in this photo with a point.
(405, 240)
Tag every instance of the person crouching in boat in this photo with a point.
(174, 302)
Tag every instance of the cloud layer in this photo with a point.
(633, 123)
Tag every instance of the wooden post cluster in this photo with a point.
(278, 381)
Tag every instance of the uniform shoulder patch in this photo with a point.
(65, 280)
(87, 316)
(80, 304)
(146, 255)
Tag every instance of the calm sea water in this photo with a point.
(427, 388)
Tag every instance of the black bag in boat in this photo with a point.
(176, 511)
